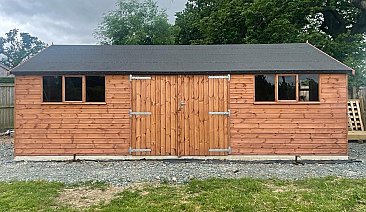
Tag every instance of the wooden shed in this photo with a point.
(262, 101)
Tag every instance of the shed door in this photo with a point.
(203, 115)
(154, 115)
(179, 115)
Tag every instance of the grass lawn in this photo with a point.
(325, 194)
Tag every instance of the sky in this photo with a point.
(64, 21)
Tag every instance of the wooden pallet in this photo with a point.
(354, 116)
(359, 136)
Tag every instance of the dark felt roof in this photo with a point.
(246, 58)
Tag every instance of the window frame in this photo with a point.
(42, 89)
(274, 91)
(83, 88)
(83, 91)
(277, 101)
(277, 87)
(319, 89)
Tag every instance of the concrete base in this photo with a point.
(229, 158)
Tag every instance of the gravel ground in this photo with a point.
(123, 173)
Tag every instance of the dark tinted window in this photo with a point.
(308, 87)
(286, 87)
(73, 88)
(264, 88)
(95, 89)
(52, 89)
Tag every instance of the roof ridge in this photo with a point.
(134, 45)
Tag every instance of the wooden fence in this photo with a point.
(6, 104)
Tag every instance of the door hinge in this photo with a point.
(139, 113)
(228, 77)
(139, 77)
(228, 150)
(130, 150)
(220, 113)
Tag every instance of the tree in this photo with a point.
(16, 47)
(135, 22)
(337, 27)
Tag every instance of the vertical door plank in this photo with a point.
(163, 115)
(158, 115)
(221, 118)
(143, 118)
(173, 113)
(195, 115)
(148, 118)
(186, 115)
(206, 116)
(153, 116)
(211, 108)
(180, 117)
(191, 115)
(138, 118)
(168, 112)
(226, 108)
(215, 117)
(201, 116)
(133, 119)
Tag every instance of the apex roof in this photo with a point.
(180, 59)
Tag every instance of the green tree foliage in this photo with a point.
(17, 46)
(338, 27)
(135, 22)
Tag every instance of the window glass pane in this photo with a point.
(95, 89)
(286, 87)
(73, 88)
(308, 87)
(52, 89)
(264, 88)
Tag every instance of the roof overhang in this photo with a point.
(185, 72)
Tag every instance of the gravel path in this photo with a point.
(122, 173)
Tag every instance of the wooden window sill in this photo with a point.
(73, 103)
(287, 103)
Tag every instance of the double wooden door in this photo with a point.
(179, 115)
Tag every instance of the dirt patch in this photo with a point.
(84, 197)
(286, 188)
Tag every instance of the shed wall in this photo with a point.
(255, 129)
(56, 129)
(289, 129)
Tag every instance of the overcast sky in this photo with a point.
(63, 21)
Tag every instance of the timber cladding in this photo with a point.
(66, 129)
(181, 115)
(293, 129)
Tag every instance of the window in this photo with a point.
(74, 89)
(265, 88)
(95, 89)
(287, 87)
(52, 88)
(308, 87)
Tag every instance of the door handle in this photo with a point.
(181, 104)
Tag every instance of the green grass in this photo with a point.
(325, 194)
(28, 196)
